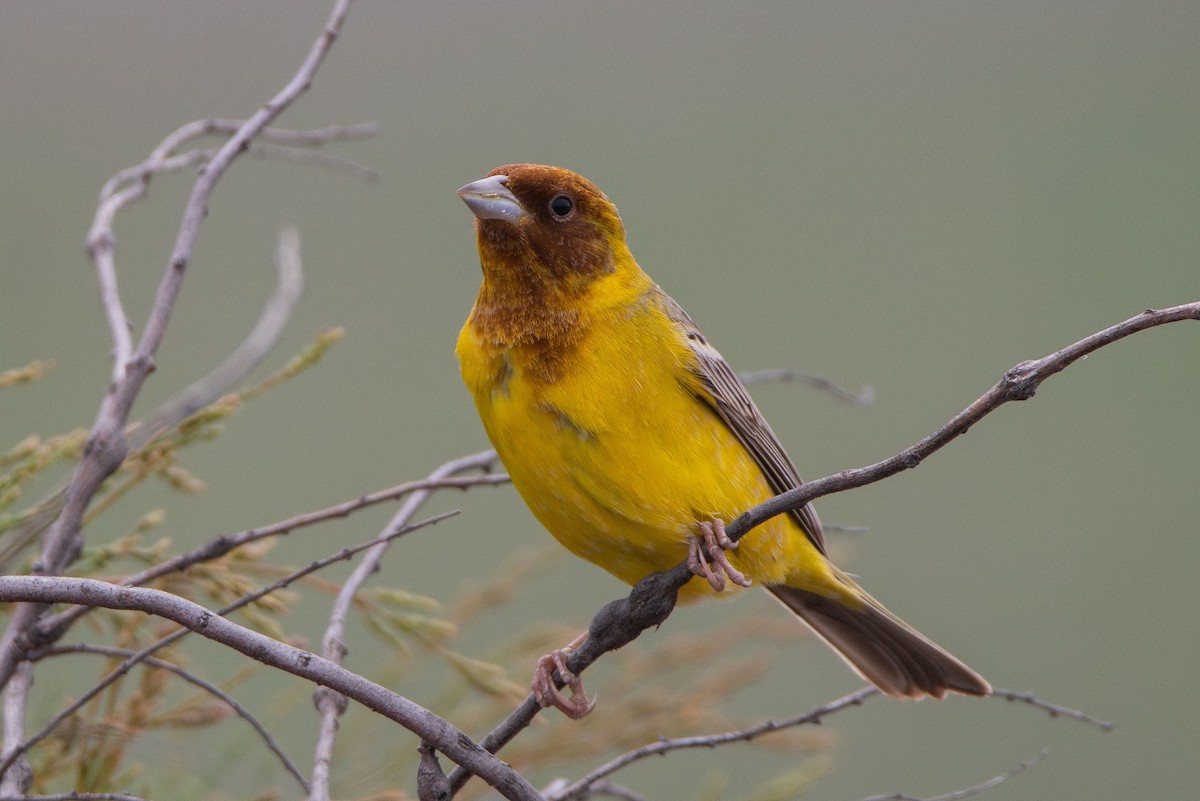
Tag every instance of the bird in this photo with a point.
(632, 440)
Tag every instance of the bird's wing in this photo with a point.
(728, 397)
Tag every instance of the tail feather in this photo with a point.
(883, 649)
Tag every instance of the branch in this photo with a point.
(864, 397)
(106, 445)
(440, 733)
(191, 678)
(966, 792)
(16, 700)
(50, 629)
(280, 305)
(582, 787)
(1054, 710)
(652, 599)
(1019, 383)
(329, 705)
(585, 785)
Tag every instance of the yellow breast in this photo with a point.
(613, 451)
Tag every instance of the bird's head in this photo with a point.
(543, 229)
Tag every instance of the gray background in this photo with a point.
(913, 196)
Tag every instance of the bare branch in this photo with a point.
(197, 206)
(1053, 709)
(52, 628)
(114, 195)
(191, 678)
(298, 155)
(864, 397)
(1019, 383)
(603, 788)
(580, 789)
(441, 734)
(967, 792)
(333, 644)
(16, 698)
(280, 306)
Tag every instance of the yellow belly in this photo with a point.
(620, 461)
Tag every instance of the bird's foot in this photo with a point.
(546, 692)
(707, 557)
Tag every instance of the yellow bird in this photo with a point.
(632, 440)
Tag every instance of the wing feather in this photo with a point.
(728, 397)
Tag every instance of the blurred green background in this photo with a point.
(913, 196)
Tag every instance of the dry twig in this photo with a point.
(966, 792)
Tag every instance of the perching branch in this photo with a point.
(444, 736)
(652, 599)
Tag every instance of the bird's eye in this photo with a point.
(561, 206)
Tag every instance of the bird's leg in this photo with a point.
(546, 692)
(708, 551)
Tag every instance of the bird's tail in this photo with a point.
(881, 647)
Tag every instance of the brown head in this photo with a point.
(544, 233)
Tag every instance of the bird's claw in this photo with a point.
(707, 552)
(546, 692)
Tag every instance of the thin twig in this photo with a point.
(191, 678)
(278, 310)
(448, 740)
(280, 306)
(53, 627)
(864, 397)
(297, 155)
(966, 792)
(333, 645)
(579, 789)
(1054, 710)
(613, 790)
(245, 600)
(600, 788)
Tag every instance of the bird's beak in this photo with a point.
(489, 199)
